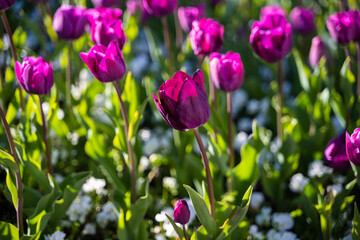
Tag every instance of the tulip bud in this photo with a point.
(355, 15)
(341, 27)
(106, 63)
(271, 38)
(160, 8)
(272, 10)
(187, 15)
(102, 14)
(106, 3)
(181, 212)
(302, 20)
(69, 22)
(353, 146)
(103, 32)
(335, 154)
(183, 101)
(35, 75)
(317, 51)
(5, 4)
(206, 36)
(227, 71)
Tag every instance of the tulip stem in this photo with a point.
(185, 234)
(68, 77)
(358, 67)
(279, 107)
(19, 210)
(230, 136)
(167, 41)
(347, 53)
(179, 32)
(208, 173)
(13, 51)
(128, 142)
(46, 140)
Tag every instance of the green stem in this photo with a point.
(230, 137)
(179, 32)
(212, 90)
(279, 107)
(68, 77)
(185, 234)
(167, 41)
(46, 140)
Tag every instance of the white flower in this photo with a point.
(145, 134)
(298, 183)
(170, 183)
(257, 198)
(253, 107)
(272, 234)
(144, 163)
(94, 184)
(282, 221)
(318, 169)
(161, 217)
(288, 236)
(160, 236)
(58, 178)
(241, 138)
(254, 232)
(264, 217)
(107, 214)
(46, 108)
(60, 114)
(339, 179)
(58, 235)
(335, 189)
(79, 208)
(89, 229)
(264, 105)
(192, 211)
(151, 146)
(245, 124)
(239, 99)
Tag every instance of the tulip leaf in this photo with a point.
(7, 160)
(136, 118)
(356, 223)
(201, 210)
(338, 107)
(11, 185)
(304, 81)
(178, 230)
(8, 231)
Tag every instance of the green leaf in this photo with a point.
(8, 161)
(135, 121)
(178, 230)
(304, 81)
(8, 231)
(356, 223)
(11, 184)
(201, 210)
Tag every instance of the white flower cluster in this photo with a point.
(272, 234)
(170, 183)
(106, 215)
(58, 235)
(263, 219)
(318, 169)
(254, 233)
(94, 184)
(282, 221)
(298, 183)
(257, 199)
(334, 189)
(153, 142)
(89, 229)
(79, 208)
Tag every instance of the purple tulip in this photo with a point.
(206, 36)
(102, 14)
(335, 154)
(160, 8)
(103, 32)
(35, 75)
(227, 71)
(272, 10)
(106, 63)
(317, 51)
(302, 20)
(353, 146)
(106, 3)
(184, 104)
(5, 4)
(341, 27)
(271, 38)
(69, 22)
(355, 15)
(187, 15)
(133, 5)
(181, 212)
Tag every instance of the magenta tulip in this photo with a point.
(69, 22)
(5, 4)
(181, 212)
(271, 10)
(302, 20)
(106, 63)
(317, 51)
(341, 27)
(103, 14)
(160, 8)
(355, 15)
(187, 15)
(106, 3)
(103, 32)
(35, 75)
(335, 154)
(183, 101)
(353, 146)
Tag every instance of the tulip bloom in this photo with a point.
(341, 27)
(353, 146)
(355, 15)
(206, 36)
(187, 15)
(102, 14)
(183, 101)
(272, 10)
(35, 75)
(103, 32)
(106, 3)
(271, 38)
(335, 154)
(69, 22)
(181, 212)
(227, 71)
(302, 20)
(5, 4)
(317, 51)
(160, 8)
(106, 63)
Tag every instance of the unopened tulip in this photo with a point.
(106, 63)
(317, 51)
(187, 15)
(206, 36)
(35, 75)
(271, 38)
(103, 32)
(183, 101)
(227, 71)
(341, 27)
(355, 15)
(106, 3)
(102, 14)
(353, 146)
(271, 10)
(335, 154)
(5, 4)
(69, 22)
(181, 212)
(302, 20)
(160, 8)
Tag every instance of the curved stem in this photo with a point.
(185, 234)
(128, 142)
(46, 140)
(68, 77)
(230, 136)
(167, 41)
(208, 173)
(19, 210)
(347, 53)
(279, 107)
(13, 51)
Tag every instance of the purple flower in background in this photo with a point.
(106, 63)
(302, 20)
(160, 8)
(317, 51)
(206, 36)
(181, 212)
(271, 38)
(353, 146)
(103, 14)
(187, 15)
(103, 32)
(5, 4)
(341, 27)
(106, 3)
(183, 101)
(227, 71)
(35, 75)
(272, 10)
(335, 154)
(355, 15)
(133, 5)
(69, 22)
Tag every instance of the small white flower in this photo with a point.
(318, 169)
(264, 217)
(253, 107)
(241, 138)
(60, 114)
(170, 183)
(160, 236)
(145, 134)
(272, 234)
(239, 99)
(151, 146)
(298, 183)
(282, 221)
(335, 189)
(257, 198)
(46, 108)
(288, 236)
(254, 232)
(89, 229)
(106, 215)
(58, 235)
(161, 217)
(339, 179)
(144, 163)
(245, 124)
(94, 184)
(58, 178)
(79, 208)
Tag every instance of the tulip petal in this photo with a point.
(198, 77)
